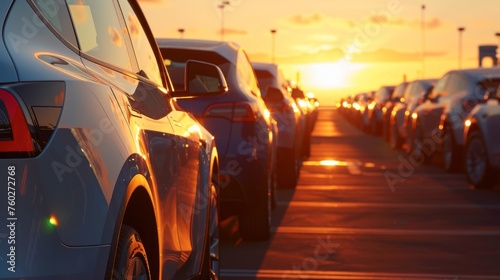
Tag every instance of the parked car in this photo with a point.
(374, 112)
(307, 116)
(364, 111)
(444, 113)
(274, 89)
(241, 123)
(415, 93)
(354, 114)
(482, 131)
(387, 109)
(106, 178)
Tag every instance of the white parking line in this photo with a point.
(320, 204)
(384, 231)
(344, 275)
(376, 187)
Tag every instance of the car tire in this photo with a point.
(374, 129)
(131, 258)
(274, 190)
(478, 170)
(255, 220)
(288, 169)
(395, 140)
(211, 266)
(452, 161)
(417, 142)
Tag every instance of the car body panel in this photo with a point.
(486, 119)
(118, 136)
(245, 147)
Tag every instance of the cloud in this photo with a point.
(229, 31)
(337, 54)
(307, 20)
(433, 23)
(388, 55)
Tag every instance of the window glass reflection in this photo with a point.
(99, 32)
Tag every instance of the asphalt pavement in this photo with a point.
(364, 211)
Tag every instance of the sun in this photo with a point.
(329, 75)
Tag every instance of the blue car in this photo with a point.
(242, 125)
(104, 176)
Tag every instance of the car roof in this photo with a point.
(477, 73)
(270, 67)
(228, 50)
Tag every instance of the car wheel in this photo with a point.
(451, 154)
(211, 266)
(395, 140)
(255, 220)
(131, 259)
(274, 186)
(385, 129)
(417, 148)
(288, 169)
(477, 167)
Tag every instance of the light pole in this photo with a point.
(221, 7)
(181, 32)
(460, 31)
(273, 47)
(423, 41)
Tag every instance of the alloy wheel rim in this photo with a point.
(137, 269)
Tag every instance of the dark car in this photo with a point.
(241, 123)
(274, 89)
(416, 93)
(374, 112)
(441, 118)
(105, 178)
(387, 109)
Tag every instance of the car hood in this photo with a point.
(8, 72)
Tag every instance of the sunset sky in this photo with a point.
(340, 47)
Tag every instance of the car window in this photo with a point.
(99, 32)
(408, 91)
(265, 79)
(146, 57)
(57, 15)
(245, 75)
(400, 89)
(456, 84)
(439, 88)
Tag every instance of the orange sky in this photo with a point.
(339, 47)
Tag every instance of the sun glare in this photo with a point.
(329, 75)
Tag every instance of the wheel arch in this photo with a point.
(134, 205)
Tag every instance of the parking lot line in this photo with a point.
(342, 275)
(320, 204)
(384, 231)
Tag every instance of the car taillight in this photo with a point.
(236, 112)
(15, 136)
(29, 115)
